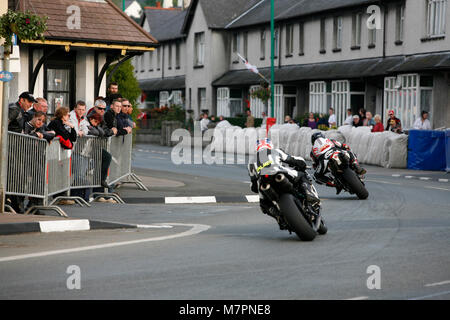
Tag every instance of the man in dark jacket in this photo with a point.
(111, 119)
(41, 105)
(16, 112)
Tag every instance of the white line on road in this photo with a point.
(359, 298)
(409, 177)
(437, 283)
(443, 180)
(178, 200)
(252, 198)
(425, 178)
(380, 181)
(196, 228)
(437, 188)
(431, 295)
(396, 175)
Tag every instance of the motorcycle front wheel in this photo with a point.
(295, 218)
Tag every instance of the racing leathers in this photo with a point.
(298, 177)
(317, 155)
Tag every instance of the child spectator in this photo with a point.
(63, 128)
(35, 127)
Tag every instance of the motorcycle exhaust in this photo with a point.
(269, 192)
(282, 183)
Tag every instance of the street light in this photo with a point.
(272, 54)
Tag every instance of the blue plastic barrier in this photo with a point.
(447, 147)
(427, 150)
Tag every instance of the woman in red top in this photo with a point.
(378, 127)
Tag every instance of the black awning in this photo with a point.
(159, 84)
(423, 62)
(317, 71)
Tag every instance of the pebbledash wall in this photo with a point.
(411, 52)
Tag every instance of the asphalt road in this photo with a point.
(234, 251)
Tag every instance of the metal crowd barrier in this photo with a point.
(39, 169)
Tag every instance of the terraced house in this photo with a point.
(325, 56)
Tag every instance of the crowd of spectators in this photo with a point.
(29, 116)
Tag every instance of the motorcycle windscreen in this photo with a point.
(266, 161)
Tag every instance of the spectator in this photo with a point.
(332, 118)
(40, 105)
(127, 109)
(393, 124)
(67, 134)
(250, 123)
(356, 121)
(16, 112)
(94, 125)
(100, 108)
(264, 118)
(349, 119)
(368, 121)
(77, 118)
(221, 118)
(322, 120)
(312, 123)
(378, 127)
(422, 123)
(362, 115)
(204, 122)
(112, 94)
(111, 120)
(36, 127)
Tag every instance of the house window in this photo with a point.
(202, 98)
(289, 40)
(177, 97)
(322, 36)
(169, 59)
(150, 61)
(436, 15)
(400, 22)
(177, 55)
(401, 94)
(245, 45)
(318, 97)
(340, 100)
(263, 45)
(199, 49)
(223, 100)
(141, 63)
(235, 47)
(301, 37)
(163, 98)
(276, 42)
(372, 38)
(158, 58)
(356, 31)
(59, 85)
(337, 33)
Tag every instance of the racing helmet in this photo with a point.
(264, 144)
(316, 136)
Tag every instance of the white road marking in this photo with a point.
(425, 178)
(147, 226)
(430, 295)
(359, 298)
(252, 198)
(64, 225)
(396, 175)
(409, 177)
(178, 200)
(437, 283)
(380, 181)
(428, 187)
(443, 180)
(196, 228)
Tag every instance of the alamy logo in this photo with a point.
(74, 20)
(374, 21)
(373, 281)
(74, 280)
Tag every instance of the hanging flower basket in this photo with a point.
(26, 25)
(261, 93)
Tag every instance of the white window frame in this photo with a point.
(163, 98)
(223, 102)
(340, 99)
(235, 46)
(318, 97)
(202, 99)
(338, 29)
(402, 94)
(279, 103)
(199, 39)
(177, 97)
(436, 18)
(256, 105)
(301, 38)
(400, 22)
(289, 39)
(356, 29)
(262, 48)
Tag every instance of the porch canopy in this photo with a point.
(159, 84)
(99, 25)
(316, 71)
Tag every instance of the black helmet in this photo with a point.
(315, 136)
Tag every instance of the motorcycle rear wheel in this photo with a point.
(355, 184)
(295, 218)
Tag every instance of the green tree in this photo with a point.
(128, 84)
